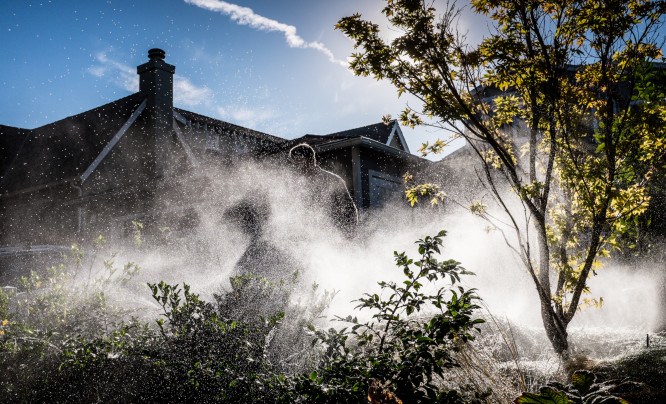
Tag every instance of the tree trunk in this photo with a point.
(556, 333)
(556, 329)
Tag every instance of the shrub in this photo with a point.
(46, 310)
(242, 349)
(406, 353)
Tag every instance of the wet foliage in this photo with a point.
(194, 353)
(583, 389)
(406, 354)
(229, 350)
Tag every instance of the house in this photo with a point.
(131, 159)
(371, 159)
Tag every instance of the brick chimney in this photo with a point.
(156, 83)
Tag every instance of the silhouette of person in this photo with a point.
(327, 189)
(262, 258)
(252, 298)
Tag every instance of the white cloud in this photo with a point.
(124, 76)
(186, 93)
(247, 117)
(245, 16)
(97, 71)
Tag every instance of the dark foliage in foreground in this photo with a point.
(205, 352)
(582, 390)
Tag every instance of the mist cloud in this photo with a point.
(245, 16)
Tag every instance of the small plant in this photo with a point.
(47, 310)
(582, 390)
(403, 352)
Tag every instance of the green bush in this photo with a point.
(240, 349)
(405, 352)
(48, 308)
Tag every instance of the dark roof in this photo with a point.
(286, 145)
(11, 140)
(63, 149)
(323, 143)
(378, 131)
(228, 126)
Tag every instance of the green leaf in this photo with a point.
(583, 380)
(546, 396)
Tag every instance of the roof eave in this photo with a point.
(373, 144)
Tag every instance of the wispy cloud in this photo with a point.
(124, 76)
(245, 116)
(186, 93)
(245, 16)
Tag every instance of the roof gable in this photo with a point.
(62, 150)
(378, 131)
(396, 139)
(387, 133)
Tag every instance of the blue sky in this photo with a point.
(276, 66)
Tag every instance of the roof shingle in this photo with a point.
(64, 149)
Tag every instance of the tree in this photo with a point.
(568, 75)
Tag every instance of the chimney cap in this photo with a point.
(156, 54)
